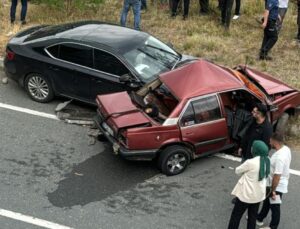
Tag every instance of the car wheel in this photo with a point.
(282, 123)
(39, 88)
(174, 160)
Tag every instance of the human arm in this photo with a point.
(245, 167)
(266, 15)
(275, 182)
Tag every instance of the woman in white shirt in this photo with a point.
(250, 190)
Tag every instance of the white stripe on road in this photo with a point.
(28, 111)
(233, 158)
(31, 220)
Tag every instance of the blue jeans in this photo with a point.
(13, 10)
(136, 7)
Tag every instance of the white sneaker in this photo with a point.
(258, 223)
(235, 17)
(265, 228)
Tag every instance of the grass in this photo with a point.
(200, 36)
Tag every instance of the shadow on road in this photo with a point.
(99, 177)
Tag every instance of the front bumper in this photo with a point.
(120, 149)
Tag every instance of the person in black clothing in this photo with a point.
(270, 28)
(260, 129)
(204, 6)
(13, 8)
(226, 8)
(186, 6)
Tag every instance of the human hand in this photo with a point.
(273, 196)
(239, 152)
(264, 25)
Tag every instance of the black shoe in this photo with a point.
(173, 15)
(12, 21)
(265, 58)
(203, 13)
(23, 22)
(184, 17)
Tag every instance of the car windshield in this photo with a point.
(152, 58)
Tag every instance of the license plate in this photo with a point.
(108, 129)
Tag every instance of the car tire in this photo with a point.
(281, 126)
(38, 88)
(173, 160)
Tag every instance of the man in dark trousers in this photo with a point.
(270, 28)
(13, 8)
(204, 6)
(260, 129)
(186, 6)
(226, 8)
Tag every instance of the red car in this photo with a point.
(195, 110)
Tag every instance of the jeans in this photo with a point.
(270, 38)
(136, 7)
(238, 211)
(298, 20)
(275, 209)
(144, 4)
(13, 8)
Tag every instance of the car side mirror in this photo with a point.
(126, 78)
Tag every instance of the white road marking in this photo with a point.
(32, 220)
(233, 158)
(28, 111)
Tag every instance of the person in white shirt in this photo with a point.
(283, 7)
(278, 181)
(250, 190)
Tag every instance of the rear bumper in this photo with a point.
(120, 149)
(11, 72)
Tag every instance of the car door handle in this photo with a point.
(99, 81)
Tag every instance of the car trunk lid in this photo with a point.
(119, 111)
(269, 84)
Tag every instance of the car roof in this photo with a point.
(199, 78)
(117, 37)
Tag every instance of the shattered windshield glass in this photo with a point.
(151, 58)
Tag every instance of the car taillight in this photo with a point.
(10, 55)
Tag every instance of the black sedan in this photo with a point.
(80, 60)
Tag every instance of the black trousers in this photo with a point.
(298, 20)
(270, 38)
(275, 209)
(238, 211)
(204, 6)
(226, 8)
(237, 7)
(186, 6)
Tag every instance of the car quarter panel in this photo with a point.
(284, 103)
(152, 137)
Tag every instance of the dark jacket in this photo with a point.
(256, 131)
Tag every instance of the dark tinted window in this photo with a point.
(54, 50)
(77, 54)
(202, 110)
(106, 62)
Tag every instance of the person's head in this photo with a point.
(151, 110)
(259, 148)
(259, 112)
(276, 140)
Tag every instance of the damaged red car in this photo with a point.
(195, 110)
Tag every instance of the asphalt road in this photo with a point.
(48, 170)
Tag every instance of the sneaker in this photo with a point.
(184, 17)
(23, 22)
(235, 17)
(265, 228)
(258, 223)
(265, 58)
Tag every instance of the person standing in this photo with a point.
(226, 8)
(186, 6)
(278, 181)
(13, 8)
(136, 8)
(237, 9)
(250, 190)
(204, 6)
(270, 29)
(260, 129)
(283, 7)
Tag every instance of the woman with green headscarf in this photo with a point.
(250, 190)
